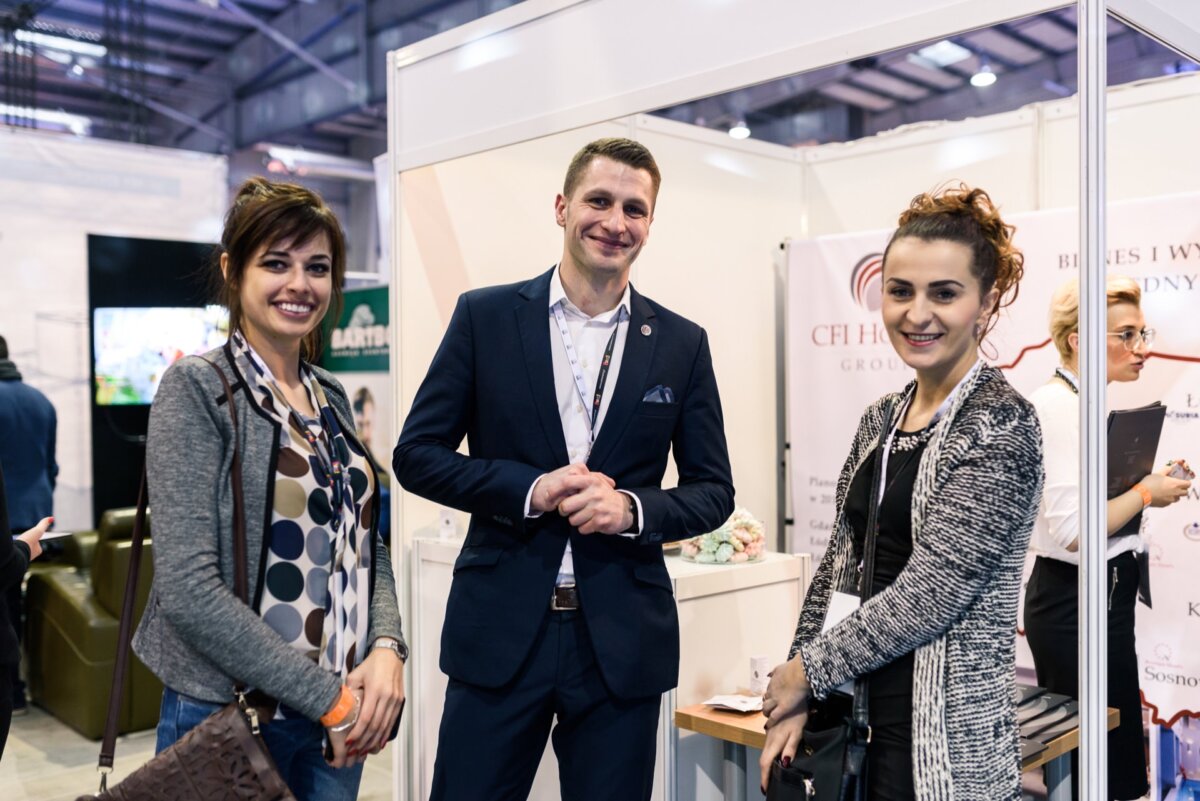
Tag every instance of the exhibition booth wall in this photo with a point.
(54, 192)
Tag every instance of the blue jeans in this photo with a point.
(296, 745)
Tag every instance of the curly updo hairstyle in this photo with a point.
(968, 216)
(267, 213)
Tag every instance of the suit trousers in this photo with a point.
(1052, 629)
(491, 740)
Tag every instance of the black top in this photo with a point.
(893, 546)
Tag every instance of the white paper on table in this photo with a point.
(841, 606)
(738, 703)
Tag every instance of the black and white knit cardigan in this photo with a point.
(955, 603)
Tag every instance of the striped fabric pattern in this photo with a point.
(955, 604)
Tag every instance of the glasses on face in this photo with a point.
(1130, 338)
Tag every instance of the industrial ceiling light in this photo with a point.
(943, 53)
(739, 130)
(985, 76)
(298, 161)
(61, 43)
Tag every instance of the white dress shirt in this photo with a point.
(589, 336)
(1057, 523)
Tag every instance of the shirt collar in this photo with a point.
(558, 294)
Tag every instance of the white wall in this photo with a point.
(54, 191)
(1027, 159)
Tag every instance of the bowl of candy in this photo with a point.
(740, 539)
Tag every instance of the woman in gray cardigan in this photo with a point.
(321, 635)
(960, 489)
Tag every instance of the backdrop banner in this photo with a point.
(840, 360)
(356, 351)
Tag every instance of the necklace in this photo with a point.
(1067, 379)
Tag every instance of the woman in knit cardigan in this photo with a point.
(961, 487)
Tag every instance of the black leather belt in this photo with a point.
(564, 598)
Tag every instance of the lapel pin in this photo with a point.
(645, 330)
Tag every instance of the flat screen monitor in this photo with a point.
(135, 346)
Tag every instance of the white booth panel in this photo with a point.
(722, 212)
(1151, 142)
(864, 185)
(1174, 22)
(560, 64)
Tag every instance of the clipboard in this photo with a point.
(1133, 436)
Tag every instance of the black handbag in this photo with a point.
(831, 760)
(224, 758)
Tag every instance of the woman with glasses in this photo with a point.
(1051, 600)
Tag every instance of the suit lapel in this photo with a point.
(533, 322)
(635, 367)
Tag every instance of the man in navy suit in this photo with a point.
(571, 389)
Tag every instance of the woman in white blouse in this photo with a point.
(1051, 600)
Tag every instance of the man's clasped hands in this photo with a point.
(589, 500)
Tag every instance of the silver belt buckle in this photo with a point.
(554, 607)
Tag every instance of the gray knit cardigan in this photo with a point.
(195, 635)
(955, 603)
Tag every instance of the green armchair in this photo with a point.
(72, 616)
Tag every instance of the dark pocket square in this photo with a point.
(659, 394)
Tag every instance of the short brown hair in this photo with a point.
(266, 213)
(620, 150)
(958, 213)
(1064, 308)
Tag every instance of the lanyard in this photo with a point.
(577, 371)
(937, 415)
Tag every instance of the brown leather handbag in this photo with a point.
(222, 759)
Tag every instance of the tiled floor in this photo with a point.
(46, 761)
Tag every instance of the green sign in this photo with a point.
(358, 342)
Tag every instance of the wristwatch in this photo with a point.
(399, 648)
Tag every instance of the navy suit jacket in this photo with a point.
(492, 380)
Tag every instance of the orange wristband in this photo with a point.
(1140, 489)
(338, 712)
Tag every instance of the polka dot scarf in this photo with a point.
(315, 591)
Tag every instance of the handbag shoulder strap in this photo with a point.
(868, 577)
(125, 631)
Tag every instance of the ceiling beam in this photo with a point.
(1037, 82)
(279, 91)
